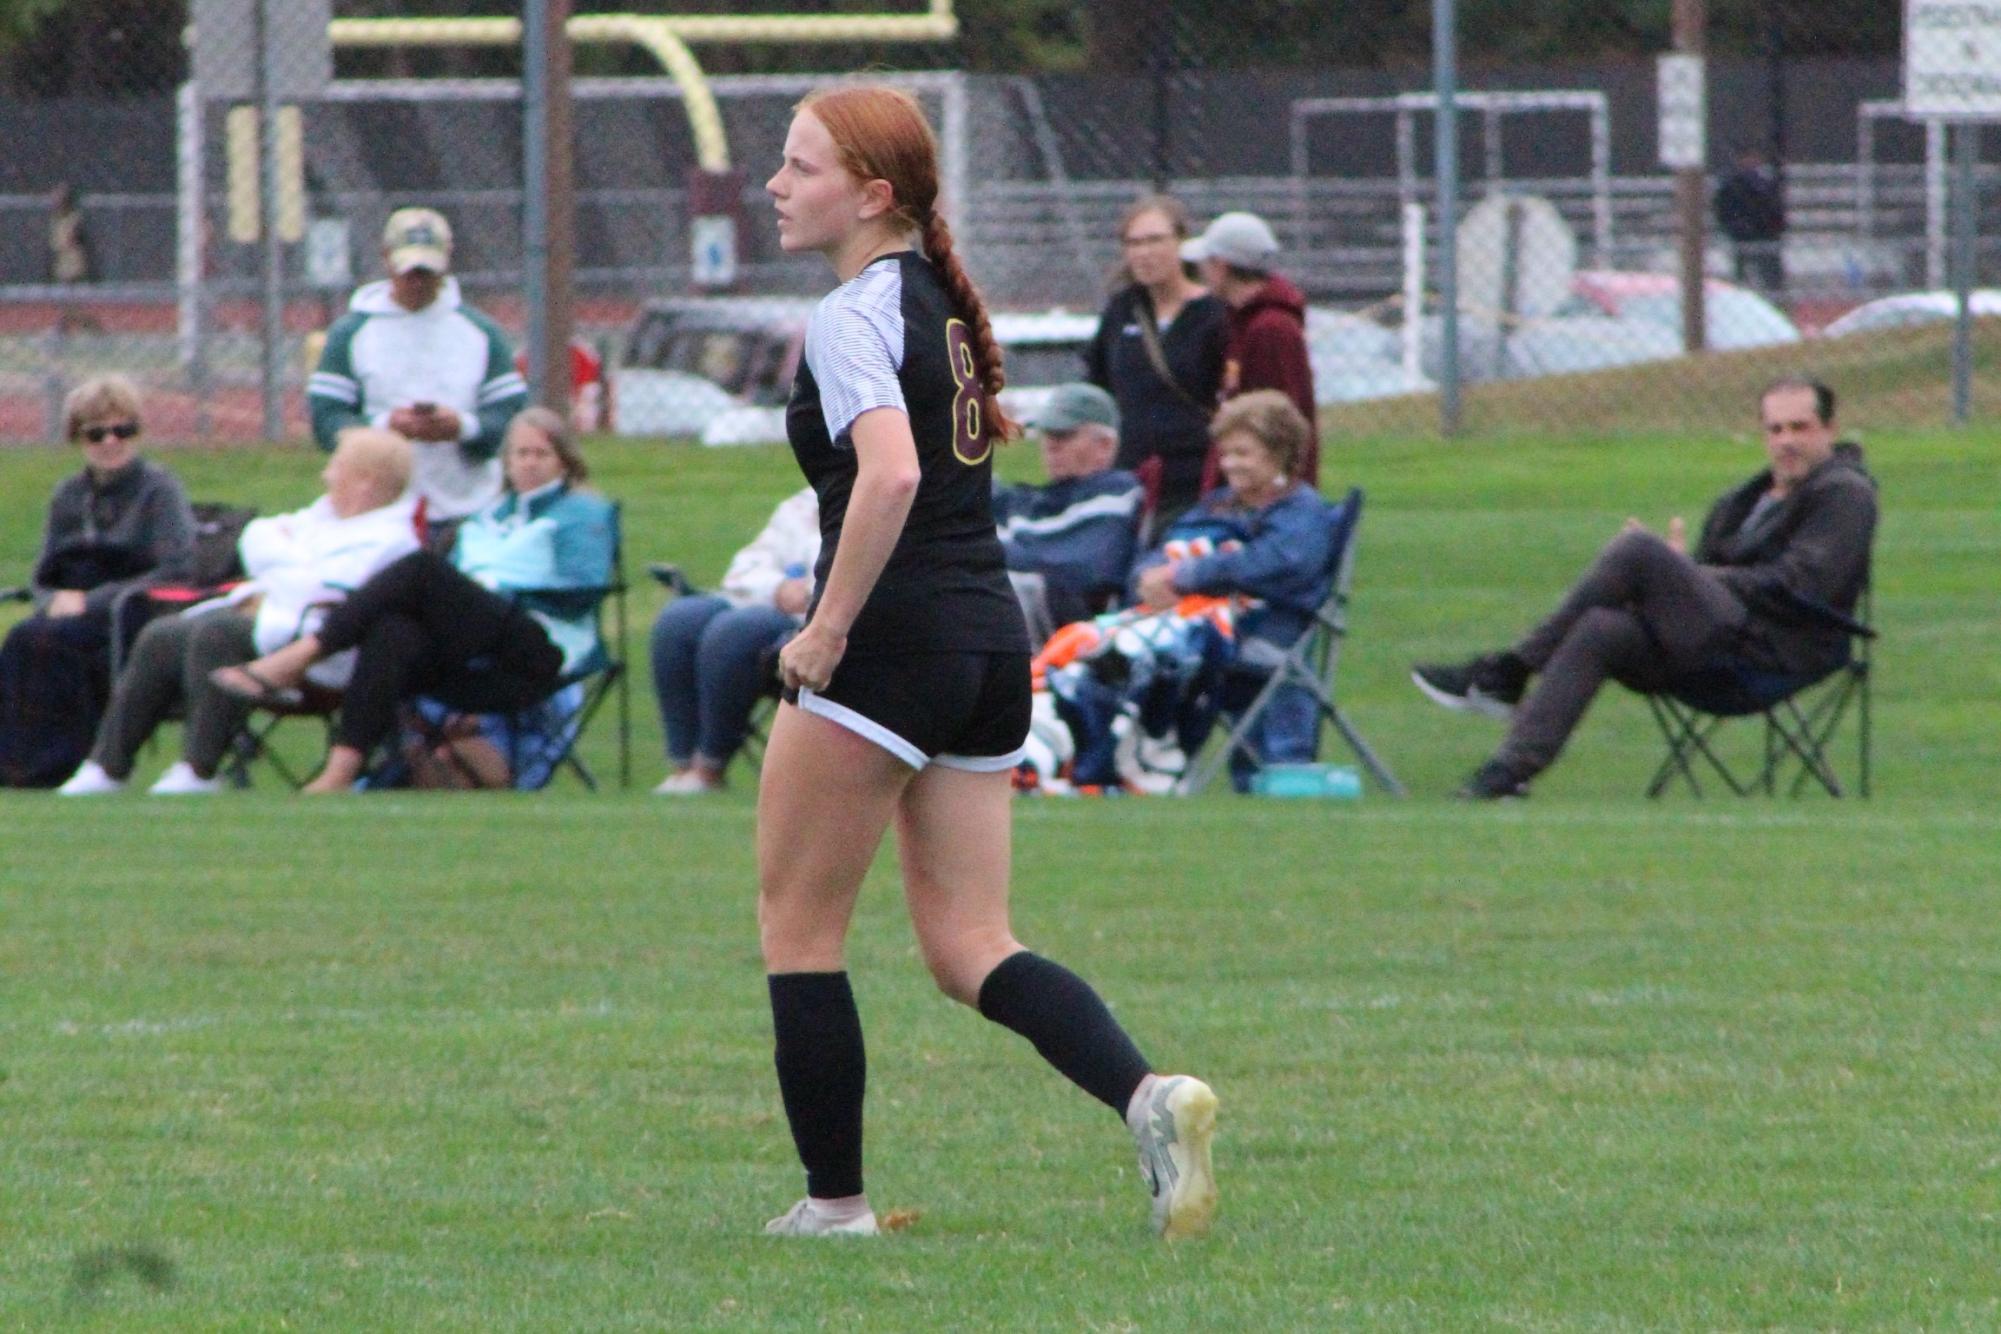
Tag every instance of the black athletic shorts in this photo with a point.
(961, 710)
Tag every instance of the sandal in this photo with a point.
(243, 682)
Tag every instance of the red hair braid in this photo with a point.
(972, 308)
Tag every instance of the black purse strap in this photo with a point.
(1149, 335)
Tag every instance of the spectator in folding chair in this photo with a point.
(714, 654)
(1250, 560)
(1776, 554)
(452, 630)
(123, 522)
(411, 354)
(298, 565)
(1069, 542)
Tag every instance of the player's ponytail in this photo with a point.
(881, 134)
(972, 308)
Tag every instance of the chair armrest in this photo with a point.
(1821, 615)
(559, 590)
(182, 595)
(673, 577)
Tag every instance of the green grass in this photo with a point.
(1895, 378)
(1589, 1063)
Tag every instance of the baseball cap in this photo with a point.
(1074, 405)
(1241, 239)
(417, 238)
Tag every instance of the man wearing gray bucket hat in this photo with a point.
(1069, 542)
(1235, 257)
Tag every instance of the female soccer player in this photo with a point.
(907, 689)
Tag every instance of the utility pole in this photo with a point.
(1445, 87)
(549, 200)
(1691, 186)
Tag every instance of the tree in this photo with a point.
(98, 48)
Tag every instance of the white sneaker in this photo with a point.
(182, 781)
(687, 783)
(1173, 1125)
(809, 1218)
(90, 781)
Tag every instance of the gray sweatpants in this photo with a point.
(168, 667)
(1643, 614)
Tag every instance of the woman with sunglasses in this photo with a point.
(122, 523)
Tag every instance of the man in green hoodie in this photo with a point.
(413, 356)
(1777, 554)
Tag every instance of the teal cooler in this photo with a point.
(1327, 781)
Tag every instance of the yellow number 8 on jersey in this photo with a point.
(969, 437)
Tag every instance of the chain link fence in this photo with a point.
(158, 219)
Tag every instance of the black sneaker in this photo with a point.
(1493, 781)
(1491, 684)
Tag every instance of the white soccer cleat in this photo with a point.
(1173, 1127)
(181, 780)
(809, 1218)
(90, 781)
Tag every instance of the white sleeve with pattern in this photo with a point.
(854, 346)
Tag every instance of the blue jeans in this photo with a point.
(1287, 733)
(705, 673)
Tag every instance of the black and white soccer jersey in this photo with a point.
(888, 338)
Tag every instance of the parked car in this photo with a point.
(692, 362)
(1569, 344)
(1733, 317)
(1354, 359)
(720, 369)
(1910, 309)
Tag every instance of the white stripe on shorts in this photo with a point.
(862, 726)
(982, 764)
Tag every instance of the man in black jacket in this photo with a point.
(1751, 210)
(1776, 555)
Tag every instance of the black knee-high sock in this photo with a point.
(1057, 1011)
(822, 1073)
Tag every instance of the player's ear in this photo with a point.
(878, 198)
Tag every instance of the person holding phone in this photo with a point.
(412, 355)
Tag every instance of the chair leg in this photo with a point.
(1364, 752)
(1202, 771)
(1805, 738)
(1862, 719)
(624, 727)
(1677, 728)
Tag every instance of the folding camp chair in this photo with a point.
(217, 568)
(1310, 663)
(559, 724)
(1801, 715)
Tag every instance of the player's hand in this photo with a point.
(1156, 586)
(1677, 535)
(808, 660)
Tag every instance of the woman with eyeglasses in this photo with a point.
(122, 523)
(1159, 351)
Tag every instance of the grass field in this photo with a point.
(1586, 1063)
